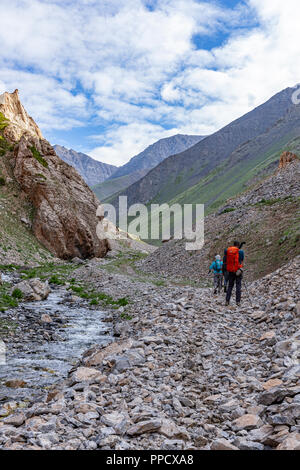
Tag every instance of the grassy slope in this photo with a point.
(109, 187)
(231, 178)
(271, 230)
(272, 233)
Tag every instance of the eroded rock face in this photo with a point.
(286, 158)
(65, 218)
(20, 121)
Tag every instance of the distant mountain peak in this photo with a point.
(91, 170)
(156, 153)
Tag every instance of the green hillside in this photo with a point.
(228, 180)
(220, 165)
(111, 186)
(231, 178)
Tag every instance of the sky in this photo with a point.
(110, 77)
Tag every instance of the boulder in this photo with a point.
(272, 383)
(15, 420)
(145, 427)
(118, 421)
(88, 374)
(33, 289)
(15, 383)
(273, 395)
(45, 318)
(171, 430)
(244, 444)
(292, 442)
(222, 444)
(247, 422)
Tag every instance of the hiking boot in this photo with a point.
(226, 303)
(238, 304)
(225, 289)
(215, 291)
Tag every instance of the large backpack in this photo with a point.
(232, 259)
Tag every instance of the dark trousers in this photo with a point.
(233, 278)
(226, 276)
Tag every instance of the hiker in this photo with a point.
(225, 272)
(234, 257)
(216, 267)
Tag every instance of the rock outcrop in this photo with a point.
(20, 122)
(286, 158)
(64, 218)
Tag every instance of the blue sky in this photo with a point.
(110, 77)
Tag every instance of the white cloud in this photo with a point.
(127, 140)
(137, 72)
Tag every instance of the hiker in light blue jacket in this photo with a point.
(216, 267)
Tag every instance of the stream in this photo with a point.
(40, 354)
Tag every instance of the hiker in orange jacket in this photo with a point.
(234, 258)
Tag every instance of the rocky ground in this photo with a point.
(184, 372)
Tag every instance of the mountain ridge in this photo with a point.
(181, 172)
(139, 165)
(92, 171)
(157, 152)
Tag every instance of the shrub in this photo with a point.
(2, 181)
(229, 209)
(36, 154)
(3, 122)
(122, 302)
(40, 175)
(55, 280)
(17, 294)
(124, 316)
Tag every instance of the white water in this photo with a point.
(41, 363)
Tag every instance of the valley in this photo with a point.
(115, 344)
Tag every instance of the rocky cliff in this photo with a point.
(64, 208)
(20, 123)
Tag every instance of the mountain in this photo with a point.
(92, 171)
(142, 163)
(46, 207)
(111, 186)
(220, 165)
(266, 217)
(156, 153)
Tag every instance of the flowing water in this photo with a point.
(38, 362)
